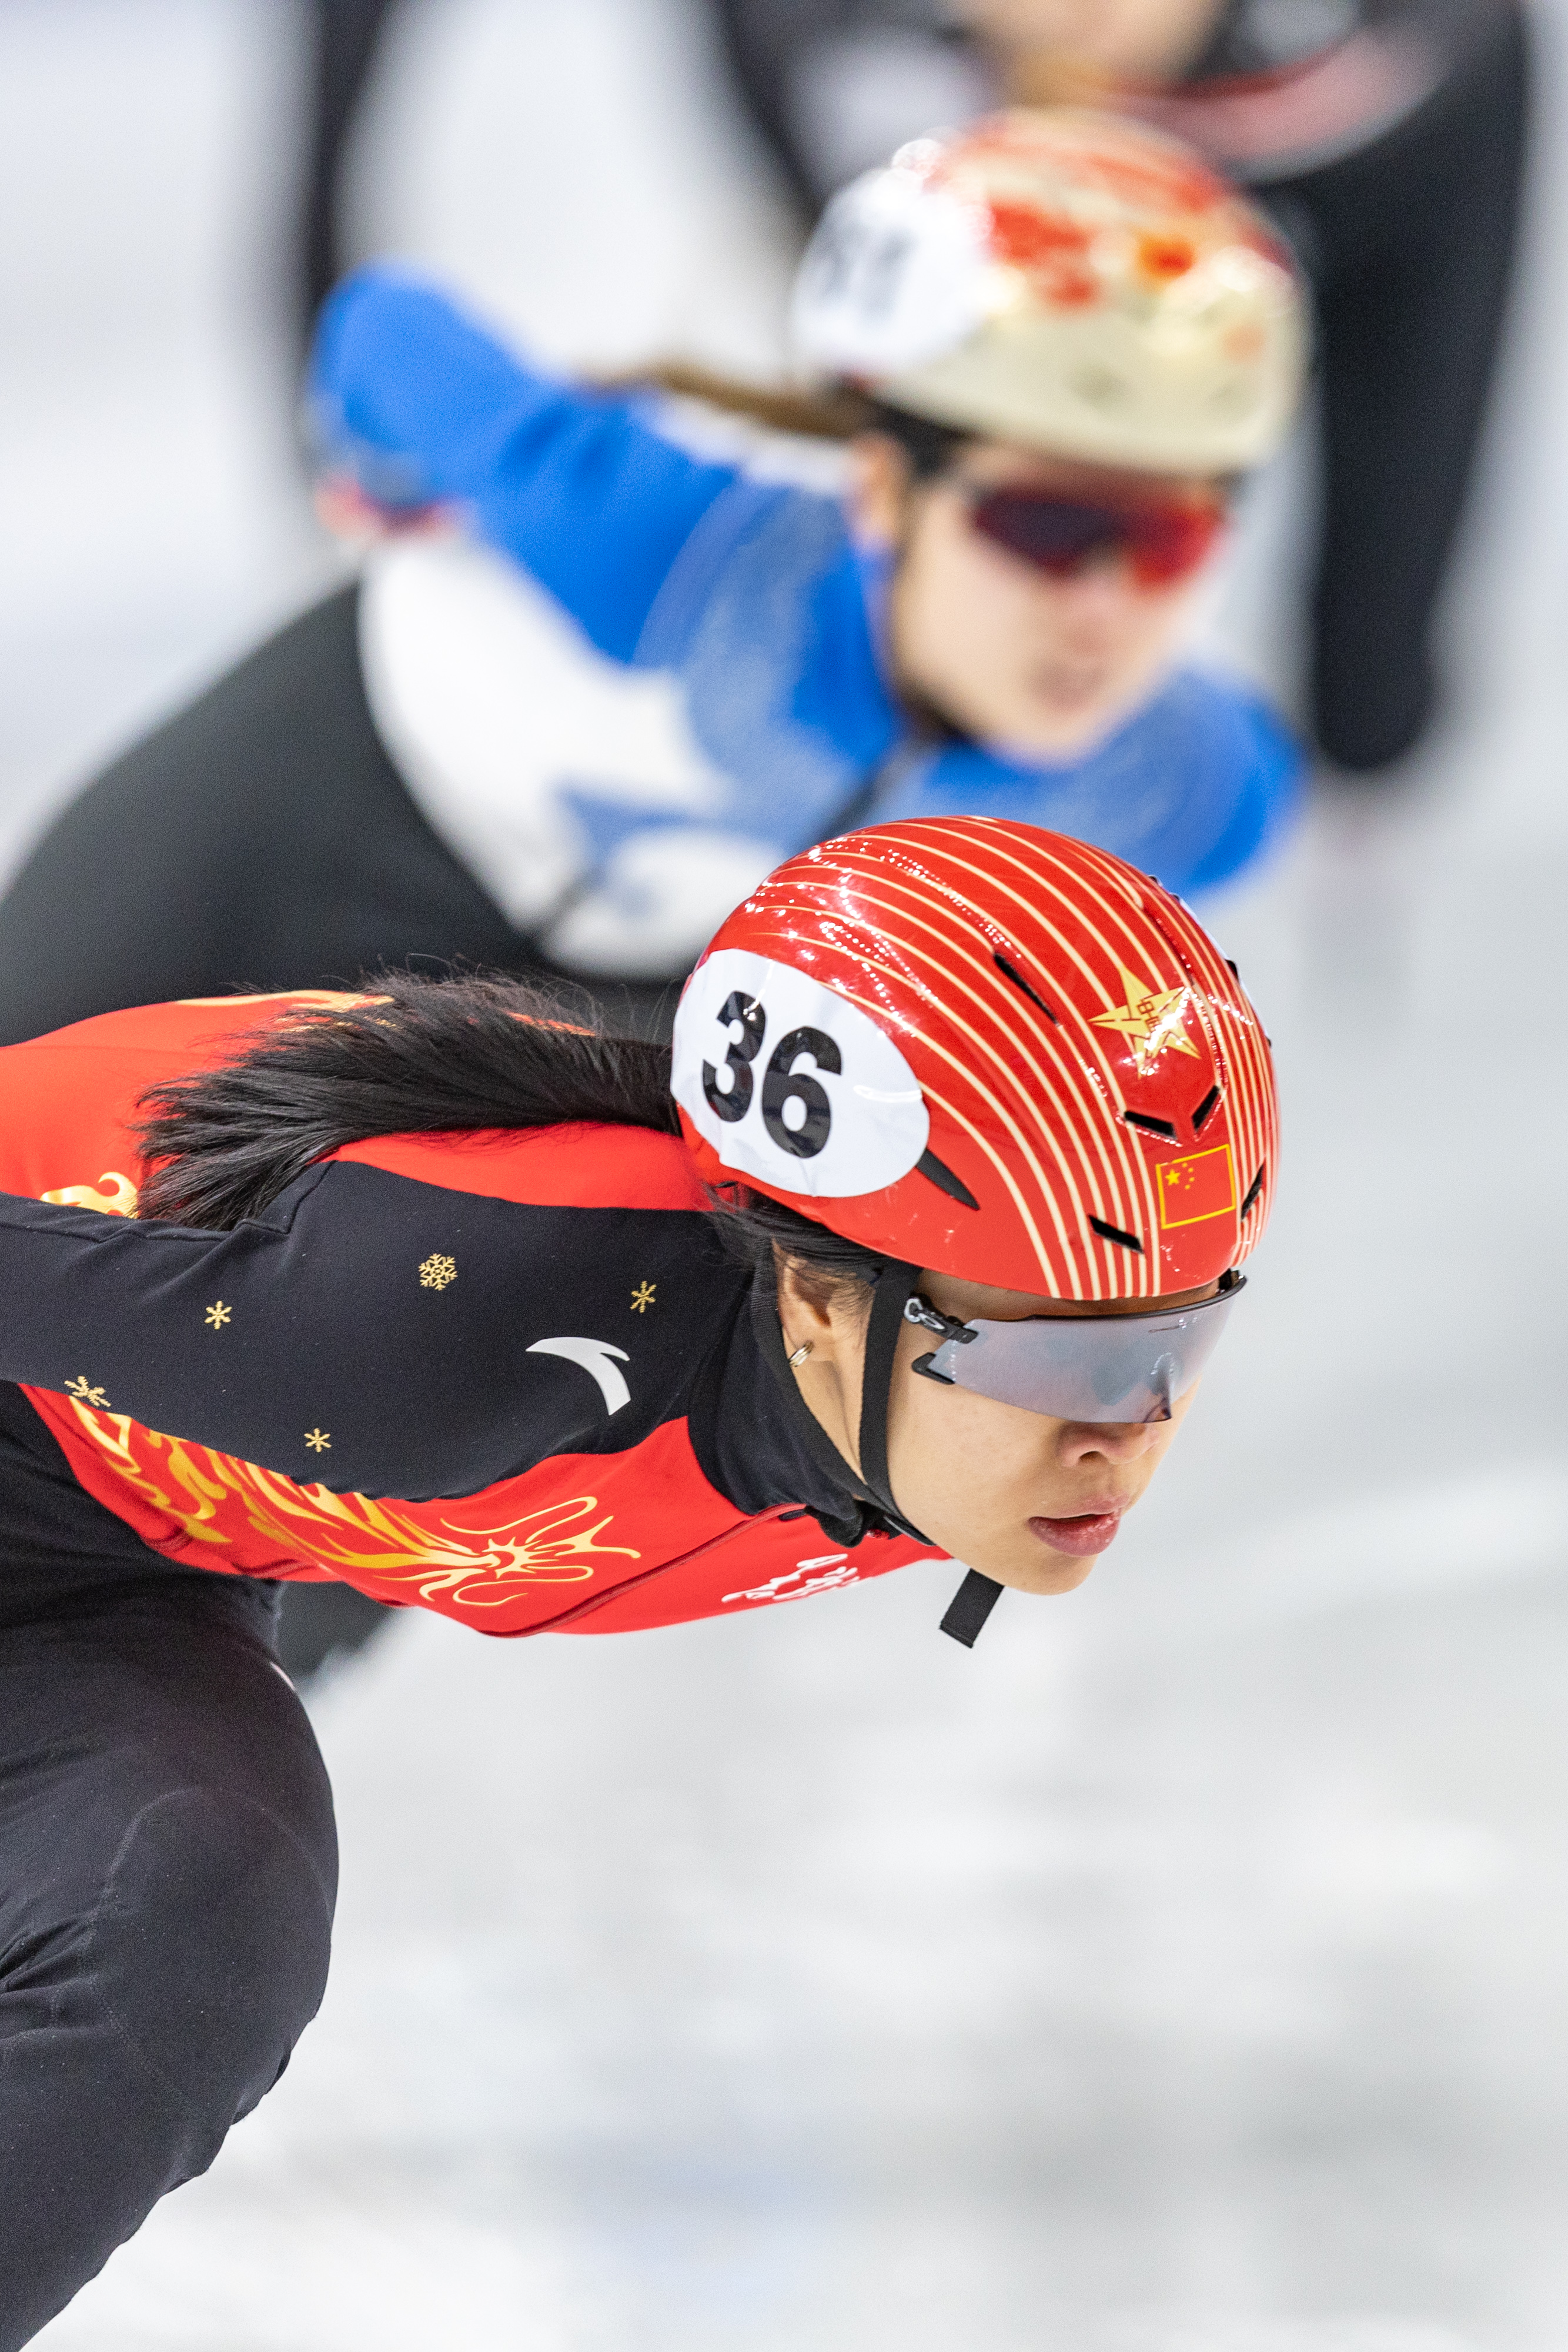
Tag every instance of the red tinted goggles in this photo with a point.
(1163, 542)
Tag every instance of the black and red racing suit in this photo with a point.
(511, 1377)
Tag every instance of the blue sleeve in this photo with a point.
(422, 405)
(1194, 788)
(1266, 804)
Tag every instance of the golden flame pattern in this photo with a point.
(351, 1536)
(113, 1193)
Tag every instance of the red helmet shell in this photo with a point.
(988, 1050)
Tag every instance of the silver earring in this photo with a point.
(800, 1356)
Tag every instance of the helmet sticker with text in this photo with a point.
(792, 1085)
(894, 275)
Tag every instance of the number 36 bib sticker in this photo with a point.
(790, 1084)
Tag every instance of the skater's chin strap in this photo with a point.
(977, 1595)
(895, 1284)
(970, 1606)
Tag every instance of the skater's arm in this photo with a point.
(367, 1332)
(221, 1338)
(303, 1342)
(418, 405)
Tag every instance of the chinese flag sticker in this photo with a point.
(1202, 1185)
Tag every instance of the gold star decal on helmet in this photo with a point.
(642, 1298)
(1150, 1020)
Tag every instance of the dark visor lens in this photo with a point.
(1060, 536)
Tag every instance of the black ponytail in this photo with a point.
(419, 1057)
(425, 1056)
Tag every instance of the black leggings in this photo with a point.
(168, 1868)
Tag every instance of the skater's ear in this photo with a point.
(829, 1310)
(880, 478)
(824, 1317)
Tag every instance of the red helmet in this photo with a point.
(989, 1050)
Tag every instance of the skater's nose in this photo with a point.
(1082, 1442)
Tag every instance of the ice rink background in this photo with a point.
(1183, 1971)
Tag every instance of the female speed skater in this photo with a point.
(1053, 342)
(568, 737)
(913, 1246)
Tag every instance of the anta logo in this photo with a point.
(1150, 1020)
(598, 1359)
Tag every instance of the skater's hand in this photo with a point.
(349, 512)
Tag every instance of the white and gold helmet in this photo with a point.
(1069, 280)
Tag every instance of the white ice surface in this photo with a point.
(1180, 1972)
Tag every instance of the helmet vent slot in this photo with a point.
(1160, 1127)
(1010, 971)
(1114, 1233)
(1253, 1190)
(937, 1171)
(1205, 1107)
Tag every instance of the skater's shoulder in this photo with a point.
(1206, 699)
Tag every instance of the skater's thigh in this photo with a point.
(168, 1865)
(167, 1847)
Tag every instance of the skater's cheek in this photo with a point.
(1028, 1500)
(1035, 667)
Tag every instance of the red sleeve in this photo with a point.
(579, 1167)
(68, 1101)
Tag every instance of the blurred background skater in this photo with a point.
(1386, 138)
(1050, 347)
(568, 734)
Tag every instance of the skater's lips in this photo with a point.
(1084, 1534)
